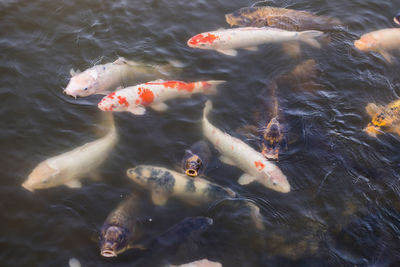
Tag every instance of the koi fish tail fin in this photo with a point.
(207, 108)
(210, 87)
(255, 215)
(309, 38)
(108, 123)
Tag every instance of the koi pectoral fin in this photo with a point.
(387, 56)
(159, 197)
(137, 110)
(246, 179)
(160, 107)
(73, 184)
(228, 52)
(373, 109)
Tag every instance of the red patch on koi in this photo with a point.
(111, 96)
(180, 86)
(122, 101)
(200, 38)
(146, 95)
(259, 165)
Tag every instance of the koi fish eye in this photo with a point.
(85, 89)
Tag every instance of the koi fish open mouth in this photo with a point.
(191, 172)
(108, 253)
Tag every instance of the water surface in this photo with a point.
(343, 209)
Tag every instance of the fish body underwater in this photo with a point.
(383, 41)
(153, 94)
(384, 118)
(237, 153)
(226, 41)
(69, 167)
(196, 159)
(105, 78)
(282, 18)
(164, 183)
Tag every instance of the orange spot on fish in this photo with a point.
(122, 101)
(111, 96)
(137, 102)
(213, 131)
(180, 86)
(259, 165)
(200, 38)
(146, 95)
(233, 148)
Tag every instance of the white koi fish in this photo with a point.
(226, 41)
(135, 99)
(103, 79)
(235, 152)
(68, 168)
(382, 41)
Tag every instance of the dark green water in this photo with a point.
(343, 209)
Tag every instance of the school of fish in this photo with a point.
(133, 87)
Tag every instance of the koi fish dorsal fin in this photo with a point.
(74, 72)
(373, 109)
(122, 61)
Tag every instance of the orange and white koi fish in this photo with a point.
(68, 168)
(382, 41)
(235, 152)
(226, 41)
(103, 79)
(153, 94)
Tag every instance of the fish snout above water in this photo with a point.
(192, 166)
(113, 239)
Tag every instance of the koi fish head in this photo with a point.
(113, 102)
(206, 40)
(242, 17)
(113, 241)
(139, 175)
(82, 84)
(41, 177)
(272, 177)
(272, 139)
(365, 43)
(397, 18)
(193, 165)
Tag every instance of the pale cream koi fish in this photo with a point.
(103, 79)
(153, 94)
(235, 152)
(382, 41)
(226, 41)
(68, 168)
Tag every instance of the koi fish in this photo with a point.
(384, 118)
(226, 41)
(103, 79)
(153, 94)
(164, 183)
(282, 18)
(196, 158)
(68, 168)
(236, 153)
(382, 41)
(119, 230)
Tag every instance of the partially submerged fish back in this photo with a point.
(186, 228)
(286, 19)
